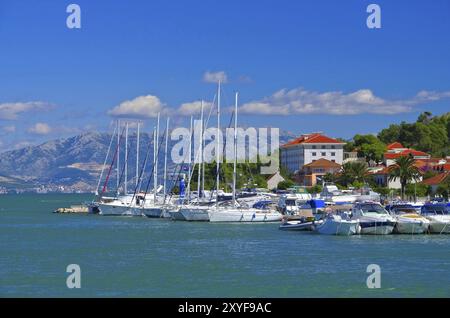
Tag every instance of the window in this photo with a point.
(323, 147)
(314, 154)
(323, 154)
(313, 147)
(333, 154)
(332, 147)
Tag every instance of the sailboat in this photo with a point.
(197, 210)
(118, 205)
(237, 212)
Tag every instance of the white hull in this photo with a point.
(243, 216)
(411, 226)
(377, 230)
(192, 213)
(112, 209)
(298, 225)
(337, 226)
(437, 227)
(152, 212)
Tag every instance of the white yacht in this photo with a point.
(439, 217)
(330, 193)
(408, 220)
(335, 224)
(243, 214)
(293, 203)
(372, 218)
(115, 206)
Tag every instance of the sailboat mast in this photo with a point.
(189, 162)
(118, 157)
(106, 159)
(137, 153)
(165, 158)
(218, 146)
(126, 160)
(157, 152)
(235, 147)
(154, 159)
(201, 152)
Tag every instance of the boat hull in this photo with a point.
(298, 226)
(331, 227)
(439, 227)
(110, 209)
(408, 227)
(376, 227)
(196, 215)
(243, 216)
(153, 212)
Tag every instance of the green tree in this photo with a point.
(359, 171)
(283, 185)
(404, 170)
(370, 147)
(353, 172)
(315, 189)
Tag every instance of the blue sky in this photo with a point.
(331, 72)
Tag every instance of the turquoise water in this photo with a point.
(139, 257)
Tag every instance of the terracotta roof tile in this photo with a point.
(437, 179)
(313, 139)
(395, 145)
(323, 163)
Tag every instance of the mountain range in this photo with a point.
(76, 162)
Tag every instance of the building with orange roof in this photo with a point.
(435, 181)
(312, 171)
(397, 150)
(309, 148)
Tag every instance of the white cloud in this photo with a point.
(215, 77)
(9, 129)
(193, 108)
(301, 101)
(143, 106)
(40, 129)
(11, 111)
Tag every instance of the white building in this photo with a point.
(308, 148)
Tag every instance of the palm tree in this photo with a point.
(346, 174)
(359, 171)
(405, 170)
(353, 171)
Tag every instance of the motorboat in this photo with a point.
(335, 224)
(372, 218)
(331, 193)
(439, 217)
(408, 220)
(305, 224)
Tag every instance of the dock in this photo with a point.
(73, 209)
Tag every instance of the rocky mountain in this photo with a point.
(76, 161)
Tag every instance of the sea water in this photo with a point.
(142, 257)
